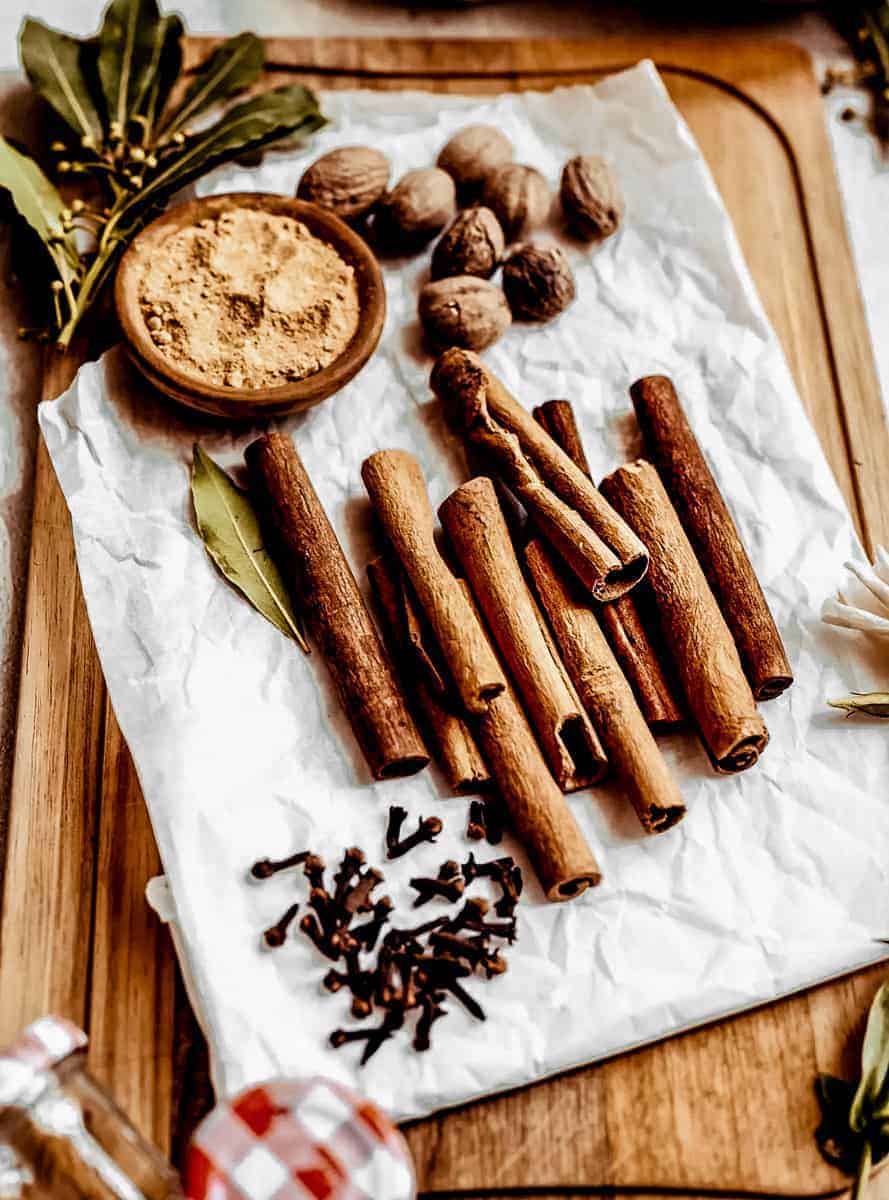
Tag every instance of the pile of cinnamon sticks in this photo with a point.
(551, 629)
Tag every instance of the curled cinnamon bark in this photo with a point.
(335, 614)
(632, 751)
(592, 538)
(478, 532)
(620, 619)
(693, 628)
(539, 813)
(452, 743)
(674, 450)
(397, 491)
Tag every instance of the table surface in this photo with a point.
(731, 1104)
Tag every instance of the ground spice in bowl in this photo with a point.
(249, 299)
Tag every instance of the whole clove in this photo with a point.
(447, 889)
(397, 817)
(265, 868)
(475, 827)
(309, 925)
(276, 934)
(493, 964)
(419, 930)
(314, 870)
(474, 910)
(358, 898)
(353, 861)
(501, 929)
(486, 820)
(427, 830)
(492, 869)
(431, 1005)
(374, 1038)
(327, 911)
(457, 947)
(368, 933)
(511, 882)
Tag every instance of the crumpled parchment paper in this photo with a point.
(778, 876)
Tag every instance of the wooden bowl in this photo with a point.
(246, 403)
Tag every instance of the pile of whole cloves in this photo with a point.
(414, 970)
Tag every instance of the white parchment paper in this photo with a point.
(777, 878)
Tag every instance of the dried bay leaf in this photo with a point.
(163, 71)
(872, 1090)
(59, 67)
(37, 200)
(874, 704)
(130, 40)
(230, 530)
(231, 68)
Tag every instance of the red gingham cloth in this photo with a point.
(298, 1139)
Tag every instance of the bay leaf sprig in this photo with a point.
(132, 132)
(854, 1130)
(230, 530)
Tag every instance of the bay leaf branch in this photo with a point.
(230, 530)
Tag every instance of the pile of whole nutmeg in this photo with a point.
(484, 206)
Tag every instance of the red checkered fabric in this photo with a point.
(298, 1139)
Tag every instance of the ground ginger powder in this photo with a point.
(249, 299)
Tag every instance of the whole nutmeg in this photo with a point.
(348, 181)
(472, 245)
(591, 199)
(472, 154)
(519, 197)
(463, 311)
(417, 208)
(538, 282)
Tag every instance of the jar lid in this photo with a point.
(24, 1063)
(298, 1139)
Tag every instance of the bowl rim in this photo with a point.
(231, 401)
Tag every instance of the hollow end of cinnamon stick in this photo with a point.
(743, 754)
(570, 889)
(585, 752)
(772, 687)
(618, 581)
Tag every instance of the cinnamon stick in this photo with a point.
(620, 619)
(674, 450)
(334, 611)
(454, 747)
(693, 629)
(606, 695)
(539, 813)
(397, 491)
(593, 539)
(478, 532)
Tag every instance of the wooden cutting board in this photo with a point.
(727, 1106)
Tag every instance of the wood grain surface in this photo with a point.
(728, 1106)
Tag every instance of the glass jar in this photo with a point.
(62, 1137)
